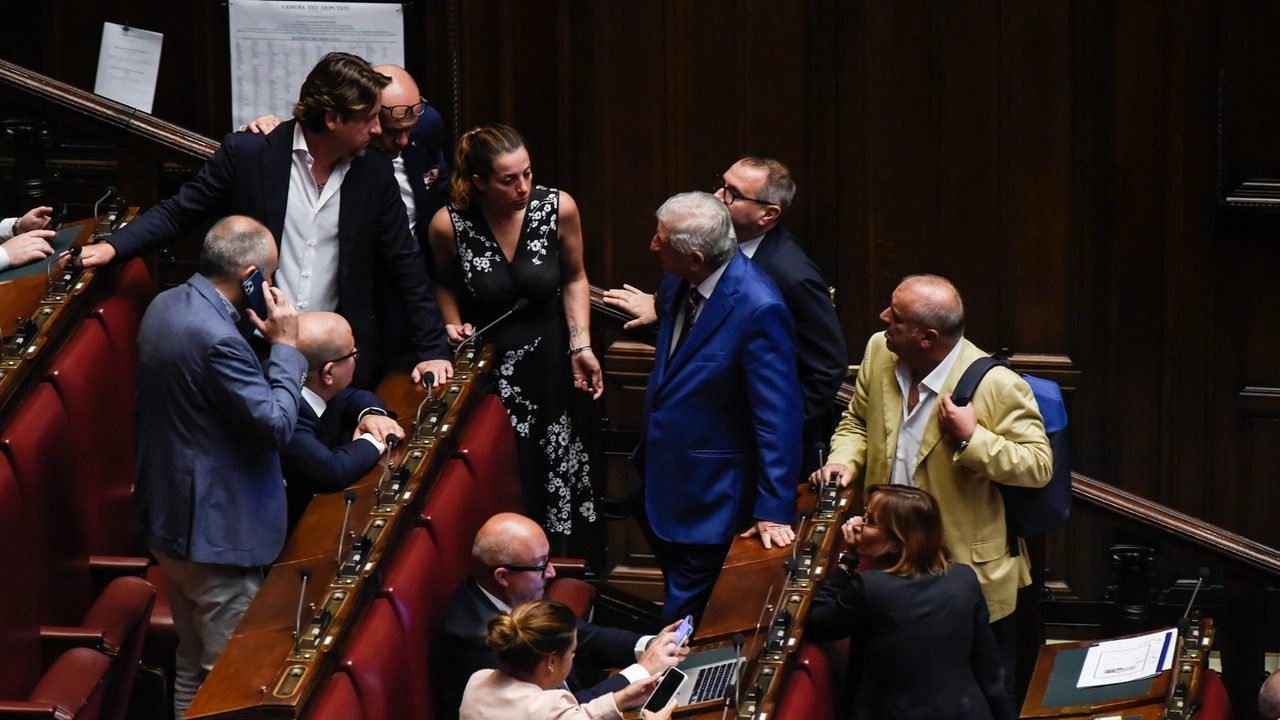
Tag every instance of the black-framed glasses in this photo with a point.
(400, 112)
(540, 569)
(354, 355)
(867, 522)
(731, 195)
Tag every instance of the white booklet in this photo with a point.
(1136, 658)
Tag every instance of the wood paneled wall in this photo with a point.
(1061, 160)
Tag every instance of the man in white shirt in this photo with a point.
(25, 238)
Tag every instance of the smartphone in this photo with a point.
(55, 219)
(256, 293)
(666, 690)
(684, 629)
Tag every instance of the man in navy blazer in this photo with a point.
(720, 437)
(269, 178)
(342, 430)
(209, 496)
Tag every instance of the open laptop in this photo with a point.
(710, 672)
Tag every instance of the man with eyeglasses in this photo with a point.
(334, 210)
(758, 190)
(511, 565)
(342, 430)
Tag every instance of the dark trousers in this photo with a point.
(689, 573)
(1006, 631)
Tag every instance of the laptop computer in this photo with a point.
(710, 672)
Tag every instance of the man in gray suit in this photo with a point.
(210, 422)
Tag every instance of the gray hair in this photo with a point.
(234, 243)
(779, 188)
(699, 222)
(940, 308)
(493, 549)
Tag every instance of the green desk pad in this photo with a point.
(60, 242)
(1062, 690)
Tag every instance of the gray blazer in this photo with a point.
(209, 426)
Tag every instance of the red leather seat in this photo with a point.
(577, 594)
(1214, 703)
(74, 684)
(59, 563)
(337, 700)
(381, 667)
(488, 447)
(418, 599)
(809, 692)
(452, 517)
(99, 442)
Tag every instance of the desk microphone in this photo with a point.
(731, 695)
(795, 544)
(1204, 575)
(349, 496)
(429, 382)
(102, 225)
(520, 306)
(305, 572)
(821, 447)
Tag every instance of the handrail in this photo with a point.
(104, 110)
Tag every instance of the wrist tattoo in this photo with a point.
(575, 331)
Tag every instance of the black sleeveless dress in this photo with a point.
(534, 375)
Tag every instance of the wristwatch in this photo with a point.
(846, 563)
(964, 445)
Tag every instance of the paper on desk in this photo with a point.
(128, 64)
(1117, 661)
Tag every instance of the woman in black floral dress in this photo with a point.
(501, 240)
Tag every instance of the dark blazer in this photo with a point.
(249, 175)
(428, 170)
(209, 425)
(321, 457)
(821, 358)
(924, 644)
(720, 436)
(461, 650)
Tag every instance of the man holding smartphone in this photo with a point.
(211, 421)
(26, 239)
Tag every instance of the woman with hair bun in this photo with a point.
(502, 240)
(535, 643)
(922, 645)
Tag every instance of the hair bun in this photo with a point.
(503, 632)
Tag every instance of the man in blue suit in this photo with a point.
(720, 437)
(210, 422)
(342, 430)
(334, 209)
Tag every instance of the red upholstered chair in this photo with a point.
(99, 443)
(337, 700)
(488, 447)
(577, 594)
(1214, 703)
(453, 513)
(382, 672)
(418, 598)
(809, 692)
(60, 577)
(74, 684)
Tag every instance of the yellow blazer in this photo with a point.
(495, 695)
(1009, 446)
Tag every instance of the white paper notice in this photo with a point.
(275, 43)
(1136, 658)
(127, 65)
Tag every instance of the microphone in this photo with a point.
(1204, 575)
(429, 382)
(821, 447)
(795, 545)
(760, 620)
(305, 572)
(520, 306)
(103, 227)
(731, 692)
(349, 496)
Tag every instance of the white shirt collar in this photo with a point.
(935, 379)
(316, 402)
(501, 605)
(300, 140)
(749, 247)
(708, 286)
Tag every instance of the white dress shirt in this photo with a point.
(913, 421)
(308, 272)
(318, 405)
(8, 228)
(406, 192)
(704, 290)
(749, 247)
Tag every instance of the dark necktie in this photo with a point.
(690, 314)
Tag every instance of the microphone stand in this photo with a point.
(520, 305)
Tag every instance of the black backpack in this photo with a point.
(1031, 511)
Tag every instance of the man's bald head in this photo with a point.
(401, 92)
(504, 539)
(933, 303)
(322, 337)
(1269, 698)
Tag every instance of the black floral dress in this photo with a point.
(534, 375)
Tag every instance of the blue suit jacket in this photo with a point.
(720, 437)
(321, 457)
(424, 159)
(249, 175)
(209, 426)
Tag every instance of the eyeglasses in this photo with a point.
(354, 355)
(540, 569)
(730, 195)
(400, 112)
(867, 522)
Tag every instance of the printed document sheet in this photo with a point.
(1135, 658)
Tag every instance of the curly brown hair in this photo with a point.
(343, 83)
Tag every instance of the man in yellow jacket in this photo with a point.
(901, 427)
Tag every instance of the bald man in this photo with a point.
(511, 566)
(1269, 698)
(341, 430)
(901, 427)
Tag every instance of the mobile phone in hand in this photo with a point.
(667, 689)
(256, 293)
(684, 629)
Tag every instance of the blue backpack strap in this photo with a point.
(972, 377)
